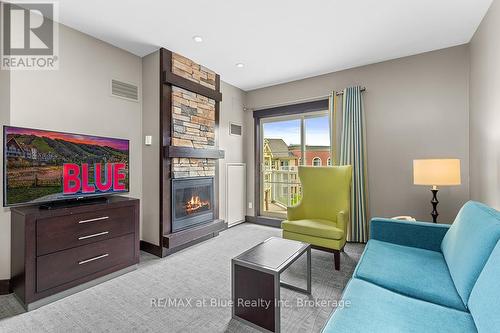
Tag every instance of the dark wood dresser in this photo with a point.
(56, 251)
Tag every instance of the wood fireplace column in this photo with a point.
(166, 135)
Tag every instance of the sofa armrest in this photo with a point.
(422, 235)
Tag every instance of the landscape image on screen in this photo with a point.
(34, 161)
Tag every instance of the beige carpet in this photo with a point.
(200, 273)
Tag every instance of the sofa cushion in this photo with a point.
(468, 244)
(410, 271)
(484, 299)
(375, 309)
(314, 227)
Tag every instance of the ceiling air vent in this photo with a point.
(234, 129)
(124, 90)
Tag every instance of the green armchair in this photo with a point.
(322, 216)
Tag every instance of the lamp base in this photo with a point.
(434, 203)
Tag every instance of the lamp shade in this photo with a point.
(436, 172)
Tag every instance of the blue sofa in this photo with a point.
(425, 277)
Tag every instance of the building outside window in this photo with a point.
(288, 142)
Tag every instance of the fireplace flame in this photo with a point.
(195, 204)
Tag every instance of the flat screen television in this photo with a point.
(43, 167)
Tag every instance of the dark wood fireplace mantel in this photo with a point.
(179, 81)
(174, 151)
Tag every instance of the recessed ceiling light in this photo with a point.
(240, 65)
(198, 39)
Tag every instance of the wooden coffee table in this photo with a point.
(255, 278)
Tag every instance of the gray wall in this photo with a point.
(150, 226)
(76, 98)
(416, 107)
(485, 110)
(4, 212)
(231, 110)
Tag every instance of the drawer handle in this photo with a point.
(93, 220)
(92, 259)
(94, 235)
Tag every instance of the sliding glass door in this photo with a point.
(287, 142)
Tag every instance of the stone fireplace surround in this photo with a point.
(193, 119)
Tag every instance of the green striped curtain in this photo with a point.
(332, 115)
(353, 152)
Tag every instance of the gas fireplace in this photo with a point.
(192, 202)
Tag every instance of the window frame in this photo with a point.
(316, 158)
(306, 108)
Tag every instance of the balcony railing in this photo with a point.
(281, 188)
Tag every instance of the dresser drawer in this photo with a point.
(65, 266)
(60, 233)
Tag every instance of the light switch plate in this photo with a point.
(148, 139)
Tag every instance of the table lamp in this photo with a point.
(436, 172)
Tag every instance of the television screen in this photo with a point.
(45, 166)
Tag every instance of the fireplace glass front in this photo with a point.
(192, 202)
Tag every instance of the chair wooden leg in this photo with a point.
(336, 258)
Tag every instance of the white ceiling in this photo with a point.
(278, 40)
